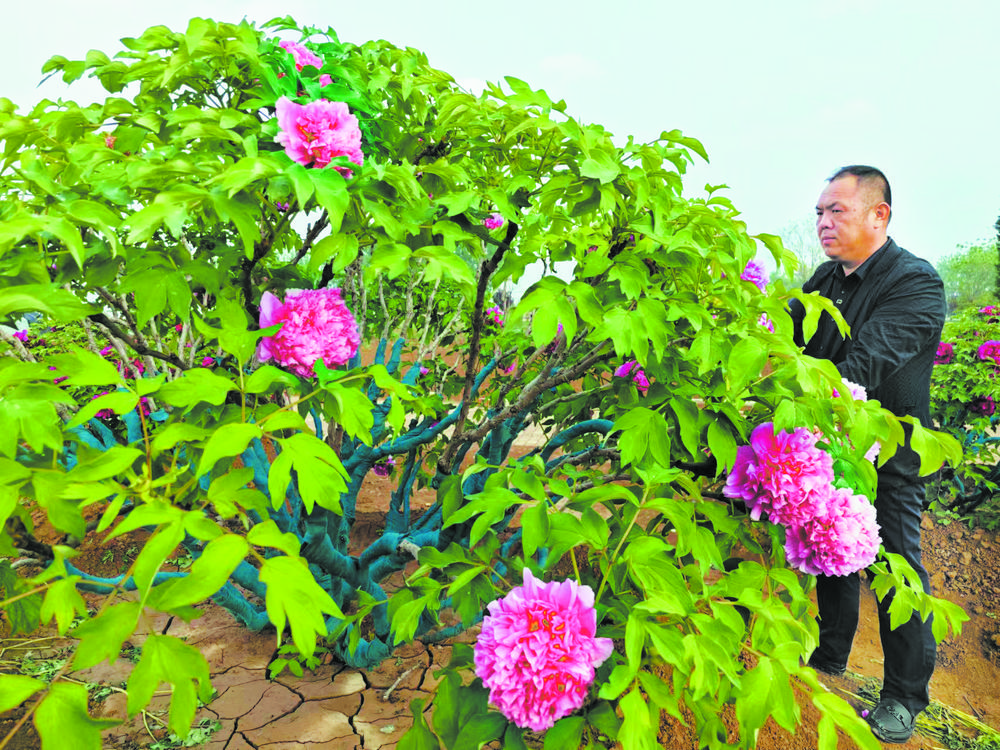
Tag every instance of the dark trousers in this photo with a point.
(910, 650)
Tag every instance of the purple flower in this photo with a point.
(383, 467)
(537, 651)
(423, 370)
(493, 221)
(207, 361)
(756, 275)
(21, 335)
(765, 321)
(989, 310)
(945, 353)
(632, 369)
(984, 405)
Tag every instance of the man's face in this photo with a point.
(849, 222)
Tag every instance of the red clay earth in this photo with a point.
(336, 707)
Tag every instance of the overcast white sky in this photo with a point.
(780, 93)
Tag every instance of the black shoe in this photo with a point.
(891, 721)
(826, 667)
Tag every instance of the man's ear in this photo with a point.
(882, 213)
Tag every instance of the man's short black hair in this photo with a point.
(868, 177)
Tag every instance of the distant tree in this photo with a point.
(967, 275)
(800, 238)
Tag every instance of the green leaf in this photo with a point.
(197, 385)
(15, 689)
(565, 733)
(293, 596)
(267, 534)
(64, 603)
(419, 735)
(601, 166)
(228, 440)
(62, 720)
(111, 463)
(638, 730)
(208, 574)
(119, 402)
(266, 376)
(84, 368)
(534, 526)
(102, 637)
(168, 659)
(331, 194)
(746, 361)
(50, 299)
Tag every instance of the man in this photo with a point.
(894, 303)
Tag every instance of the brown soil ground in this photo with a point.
(964, 565)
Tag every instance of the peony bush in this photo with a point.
(300, 252)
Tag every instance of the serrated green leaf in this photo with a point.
(168, 659)
(62, 720)
(293, 596)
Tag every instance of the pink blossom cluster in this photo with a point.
(317, 325)
(318, 132)
(631, 369)
(756, 274)
(765, 321)
(945, 353)
(303, 57)
(789, 478)
(494, 315)
(989, 310)
(537, 651)
(989, 350)
(22, 335)
(493, 221)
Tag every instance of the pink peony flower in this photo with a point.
(537, 652)
(109, 140)
(493, 221)
(21, 335)
(317, 325)
(302, 55)
(990, 350)
(765, 321)
(632, 369)
(318, 132)
(842, 539)
(756, 275)
(207, 361)
(783, 475)
(989, 310)
(423, 370)
(945, 353)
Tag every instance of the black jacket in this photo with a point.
(894, 303)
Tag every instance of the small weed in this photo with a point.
(200, 734)
(108, 557)
(41, 669)
(290, 658)
(132, 653)
(182, 561)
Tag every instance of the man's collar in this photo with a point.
(872, 260)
